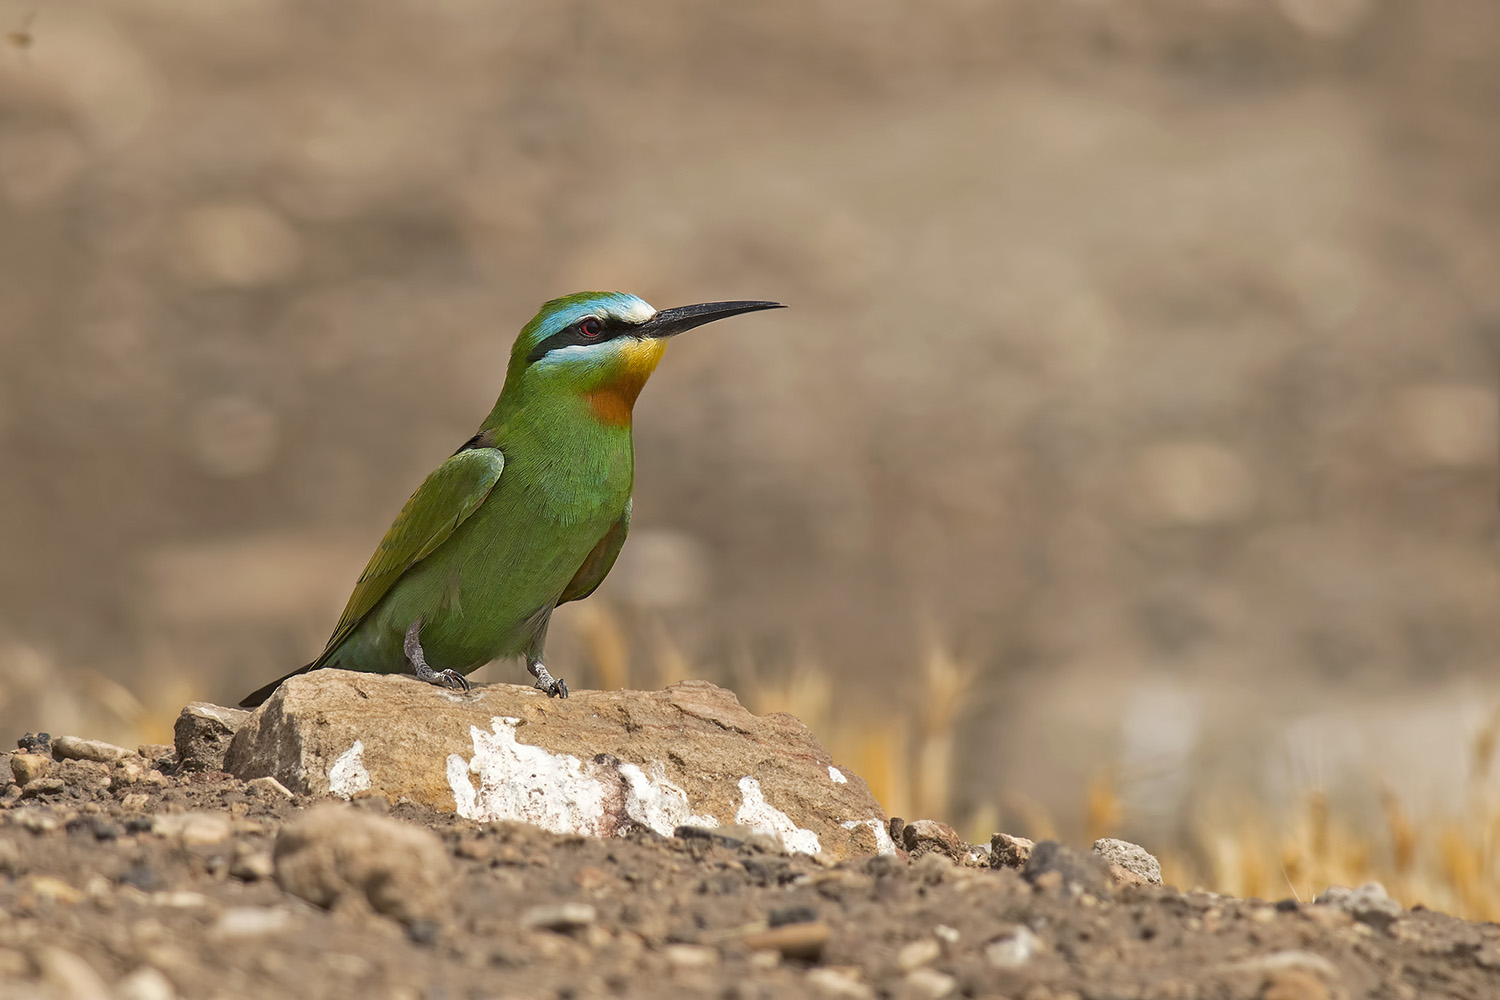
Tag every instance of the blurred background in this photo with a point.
(1125, 463)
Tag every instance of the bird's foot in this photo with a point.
(555, 687)
(440, 678)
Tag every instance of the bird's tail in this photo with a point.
(254, 698)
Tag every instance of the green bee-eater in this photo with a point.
(529, 513)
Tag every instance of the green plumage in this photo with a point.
(531, 512)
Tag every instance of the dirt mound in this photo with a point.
(120, 877)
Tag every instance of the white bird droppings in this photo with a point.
(656, 803)
(348, 775)
(526, 783)
(755, 811)
(836, 776)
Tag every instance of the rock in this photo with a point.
(43, 786)
(1293, 984)
(1078, 872)
(1009, 852)
(77, 748)
(36, 743)
(802, 940)
(27, 767)
(916, 954)
(270, 787)
(193, 828)
(839, 983)
(924, 836)
(1369, 904)
(600, 763)
(145, 983)
(333, 854)
(560, 917)
(1140, 867)
(202, 735)
(928, 983)
(251, 864)
(691, 956)
(1013, 950)
(251, 921)
(70, 976)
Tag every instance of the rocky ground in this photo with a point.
(124, 874)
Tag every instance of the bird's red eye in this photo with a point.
(591, 328)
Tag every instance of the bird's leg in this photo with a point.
(442, 678)
(555, 687)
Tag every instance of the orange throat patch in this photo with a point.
(614, 401)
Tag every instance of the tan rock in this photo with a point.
(27, 767)
(1007, 851)
(202, 734)
(925, 836)
(599, 763)
(77, 748)
(333, 854)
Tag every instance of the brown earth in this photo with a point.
(122, 879)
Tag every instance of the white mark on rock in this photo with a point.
(883, 842)
(756, 812)
(348, 775)
(657, 803)
(836, 776)
(526, 783)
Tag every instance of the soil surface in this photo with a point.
(119, 881)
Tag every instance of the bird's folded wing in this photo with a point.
(445, 500)
(597, 564)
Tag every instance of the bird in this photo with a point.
(529, 513)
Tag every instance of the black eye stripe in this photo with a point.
(573, 336)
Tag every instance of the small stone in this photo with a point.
(54, 888)
(916, 954)
(691, 956)
(194, 828)
(42, 786)
(560, 917)
(929, 983)
(925, 836)
(134, 802)
(27, 767)
(36, 743)
(1293, 984)
(37, 820)
(202, 735)
(1369, 904)
(251, 921)
(803, 941)
(334, 852)
(126, 773)
(589, 877)
(839, 983)
(10, 858)
(145, 983)
(155, 754)
(77, 748)
(1013, 950)
(70, 976)
(251, 863)
(1010, 852)
(1077, 872)
(269, 787)
(1133, 858)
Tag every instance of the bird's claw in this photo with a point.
(555, 687)
(453, 679)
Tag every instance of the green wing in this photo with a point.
(445, 500)
(597, 564)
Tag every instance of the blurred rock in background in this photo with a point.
(1143, 354)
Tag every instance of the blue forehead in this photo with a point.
(559, 314)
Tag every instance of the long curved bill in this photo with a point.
(671, 322)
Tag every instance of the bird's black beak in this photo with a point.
(671, 322)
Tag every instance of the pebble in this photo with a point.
(77, 748)
(54, 888)
(128, 772)
(1369, 904)
(1013, 950)
(42, 786)
(202, 735)
(916, 954)
(560, 917)
(838, 983)
(251, 864)
(70, 976)
(691, 956)
(335, 851)
(929, 983)
(27, 767)
(251, 921)
(1133, 858)
(38, 820)
(145, 983)
(135, 801)
(193, 828)
(804, 941)
(925, 836)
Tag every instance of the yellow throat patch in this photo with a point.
(613, 401)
